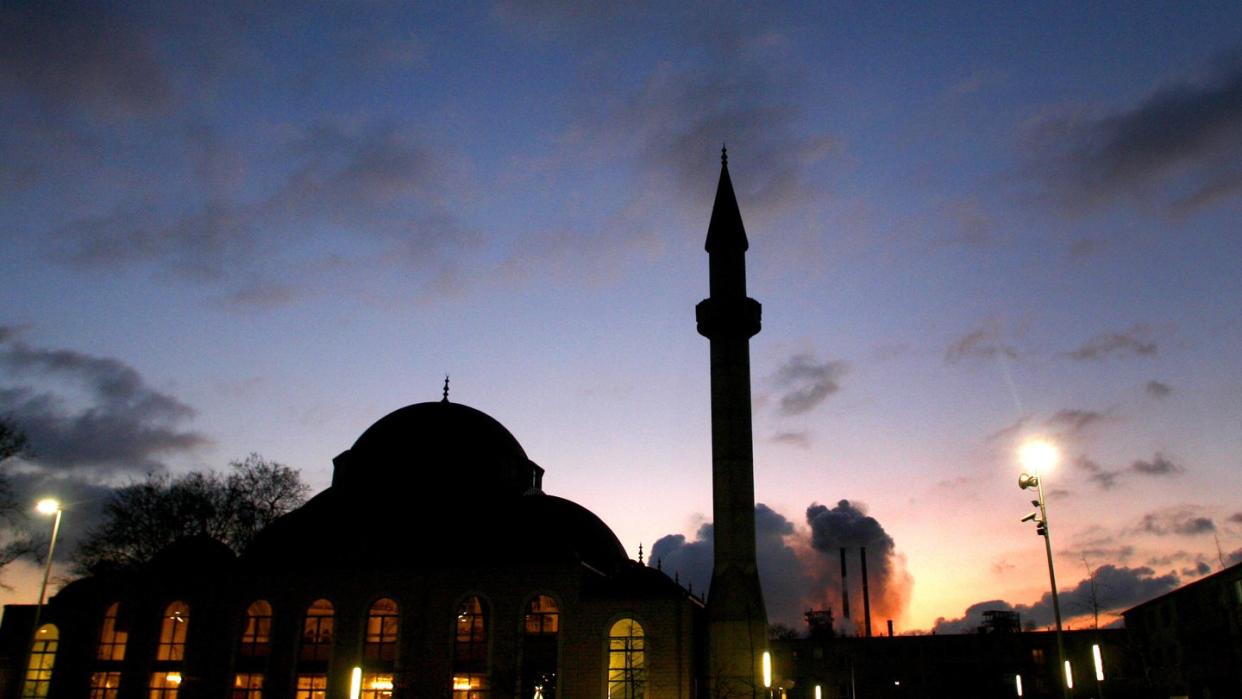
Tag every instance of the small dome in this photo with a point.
(437, 448)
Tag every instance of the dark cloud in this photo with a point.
(982, 343)
(74, 54)
(1097, 474)
(1074, 421)
(806, 383)
(1236, 518)
(375, 185)
(1115, 588)
(119, 423)
(1158, 389)
(1200, 568)
(786, 582)
(1234, 558)
(1160, 465)
(798, 438)
(1183, 140)
(1136, 341)
(800, 569)
(847, 525)
(1180, 521)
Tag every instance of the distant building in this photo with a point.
(984, 665)
(1190, 640)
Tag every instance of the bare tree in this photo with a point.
(144, 517)
(17, 541)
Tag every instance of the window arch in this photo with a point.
(540, 632)
(382, 627)
(627, 662)
(470, 650)
(173, 629)
(256, 638)
(112, 639)
(317, 631)
(42, 660)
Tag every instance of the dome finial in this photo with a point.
(445, 398)
(724, 154)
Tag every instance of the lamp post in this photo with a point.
(46, 506)
(1040, 456)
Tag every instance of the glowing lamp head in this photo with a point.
(767, 670)
(47, 506)
(1039, 456)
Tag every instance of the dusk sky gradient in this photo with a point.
(233, 228)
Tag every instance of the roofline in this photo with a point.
(1187, 586)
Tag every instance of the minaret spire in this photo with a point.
(737, 621)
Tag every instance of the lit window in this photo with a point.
(470, 651)
(104, 685)
(539, 648)
(173, 629)
(111, 639)
(164, 685)
(317, 632)
(248, 685)
(542, 616)
(627, 667)
(1037, 656)
(42, 660)
(312, 687)
(382, 631)
(376, 686)
(256, 637)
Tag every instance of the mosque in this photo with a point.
(435, 565)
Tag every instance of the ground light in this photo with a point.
(1017, 682)
(767, 670)
(1069, 675)
(355, 683)
(1099, 662)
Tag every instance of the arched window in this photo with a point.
(627, 666)
(539, 648)
(256, 638)
(317, 631)
(470, 651)
(42, 660)
(382, 625)
(173, 628)
(111, 638)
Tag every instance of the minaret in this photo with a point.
(737, 622)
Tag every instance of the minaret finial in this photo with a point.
(445, 398)
(640, 553)
(724, 154)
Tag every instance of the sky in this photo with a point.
(233, 228)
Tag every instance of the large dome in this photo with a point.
(438, 446)
(425, 469)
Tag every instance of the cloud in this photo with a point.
(87, 412)
(1236, 518)
(1157, 389)
(372, 187)
(785, 581)
(1158, 466)
(1115, 588)
(799, 568)
(807, 383)
(1136, 341)
(1097, 474)
(797, 438)
(1184, 140)
(1076, 421)
(1179, 521)
(981, 343)
(69, 55)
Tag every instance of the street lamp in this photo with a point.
(1040, 456)
(46, 506)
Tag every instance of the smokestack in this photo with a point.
(866, 593)
(890, 628)
(845, 589)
